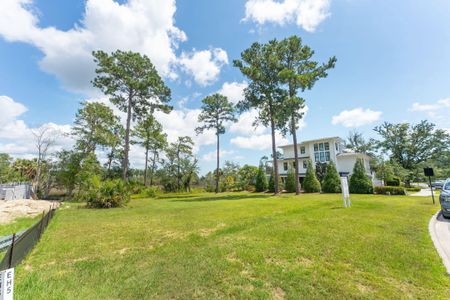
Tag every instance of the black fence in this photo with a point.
(21, 245)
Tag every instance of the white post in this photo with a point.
(7, 284)
(345, 192)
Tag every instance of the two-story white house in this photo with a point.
(321, 150)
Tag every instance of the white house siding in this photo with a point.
(344, 161)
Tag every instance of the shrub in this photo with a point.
(289, 184)
(271, 184)
(360, 183)
(108, 194)
(391, 190)
(261, 180)
(151, 191)
(311, 184)
(332, 182)
(413, 189)
(393, 181)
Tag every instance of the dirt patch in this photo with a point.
(278, 294)
(13, 209)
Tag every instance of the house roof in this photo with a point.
(310, 141)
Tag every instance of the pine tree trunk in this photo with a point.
(146, 167)
(127, 141)
(217, 169)
(274, 151)
(153, 168)
(294, 139)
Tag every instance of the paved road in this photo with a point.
(439, 228)
(426, 192)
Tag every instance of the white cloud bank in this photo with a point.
(234, 91)
(356, 117)
(145, 26)
(17, 137)
(307, 14)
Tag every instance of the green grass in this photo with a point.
(238, 245)
(18, 225)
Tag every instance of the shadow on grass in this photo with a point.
(224, 198)
(176, 196)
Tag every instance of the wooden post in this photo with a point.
(12, 250)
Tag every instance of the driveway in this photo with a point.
(439, 228)
(425, 192)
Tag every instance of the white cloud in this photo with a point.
(258, 142)
(307, 14)
(204, 65)
(17, 137)
(234, 91)
(145, 26)
(356, 117)
(211, 156)
(443, 103)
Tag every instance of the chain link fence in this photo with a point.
(21, 245)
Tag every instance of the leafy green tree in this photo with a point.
(298, 72)
(410, 145)
(331, 182)
(271, 183)
(246, 176)
(360, 183)
(93, 126)
(5, 168)
(115, 149)
(290, 185)
(149, 135)
(259, 64)
(133, 85)
(310, 183)
(216, 110)
(357, 143)
(261, 184)
(174, 166)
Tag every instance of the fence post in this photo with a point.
(12, 250)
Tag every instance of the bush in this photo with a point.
(360, 183)
(413, 189)
(271, 184)
(332, 182)
(108, 194)
(311, 184)
(151, 191)
(289, 184)
(261, 180)
(391, 190)
(393, 181)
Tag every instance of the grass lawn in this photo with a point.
(238, 245)
(18, 225)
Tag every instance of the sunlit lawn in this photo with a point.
(238, 245)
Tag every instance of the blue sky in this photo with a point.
(393, 63)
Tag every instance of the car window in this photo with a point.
(447, 186)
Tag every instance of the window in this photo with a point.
(293, 164)
(302, 150)
(305, 164)
(336, 145)
(322, 152)
(285, 166)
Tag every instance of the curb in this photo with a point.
(437, 244)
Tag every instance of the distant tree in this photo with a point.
(360, 183)
(5, 167)
(261, 184)
(299, 72)
(289, 184)
(410, 145)
(44, 138)
(357, 143)
(216, 110)
(149, 135)
(115, 149)
(93, 126)
(271, 183)
(134, 86)
(174, 165)
(247, 176)
(331, 182)
(310, 183)
(260, 65)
